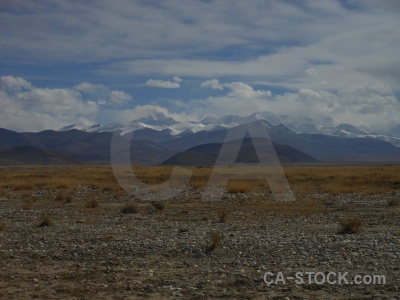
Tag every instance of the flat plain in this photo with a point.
(74, 233)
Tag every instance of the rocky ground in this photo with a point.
(193, 249)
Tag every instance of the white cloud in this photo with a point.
(101, 94)
(311, 72)
(10, 83)
(34, 109)
(369, 104)
(245, 91)
(119, 97)
(177, 79)
(276, 40)
(90, 88)
(162, 84)
(140, 111)
(213, 83)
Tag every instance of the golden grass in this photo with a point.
(239, 186)
(332, 180)
(337, 180)
(29, 179)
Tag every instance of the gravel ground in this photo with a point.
(101, 253)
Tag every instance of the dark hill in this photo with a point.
(10, 139)
(207, 154)
(29, 155)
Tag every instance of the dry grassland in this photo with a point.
(93, 240)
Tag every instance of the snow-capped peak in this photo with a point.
(156, 119)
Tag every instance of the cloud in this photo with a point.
(140, 111)
(368, 104)
(245, 91)
(269, 41)
(102, 94)
(10, 83)
(119, 97)
(162, 84)
(177, 79)
(29, 108)
(213, 83)
(90, 88)
(311, 72)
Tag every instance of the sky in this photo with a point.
(67, 62)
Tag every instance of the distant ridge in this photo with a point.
(206, 154)
(29, 155)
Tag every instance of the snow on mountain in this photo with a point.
(352, 129)
(80, 127)
(392, 140)
(395, 131)
(316, 124)
(157, 119)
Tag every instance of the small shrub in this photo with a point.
(184, 211)
(215, 241)
(223, 216)
(183, 229)
(45, 221)
(158, 205)
(350, 225)
(60, 196)
(343, 208)
(92, 203)
(28, 204)
(394, 202)
(2, 226)
(68, 199)
(130, 208)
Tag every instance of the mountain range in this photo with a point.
(164, 127)
(160, 139)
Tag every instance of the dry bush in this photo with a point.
(60, 195)
(68, 199)
(45, 221)
(2, 226)
(130, 208)
(351, 225)
(344, 208)
(158, 205)
(215, 241)
(223, 215)
(184, 210)
(183, 229)
(92, 203)
(394, 202)
(28, 204)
